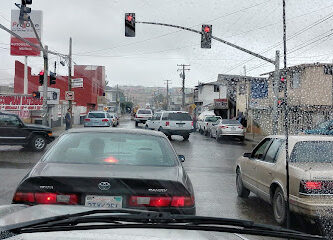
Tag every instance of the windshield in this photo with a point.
(176, 105)
(118, 149)
(180, 116)
(312, 151)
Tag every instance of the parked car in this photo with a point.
(142, 115)
(263, 172)
(212, 121)
(14, 132)
(227, 127)
(98, 119)
(172, 123)
(205, 124)
(110, 168)
(324, 128)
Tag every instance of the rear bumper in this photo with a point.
(233, 134)
(182, 211)
(141, 120)
(177, 132)
(88, 125)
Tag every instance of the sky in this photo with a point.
(97, 30)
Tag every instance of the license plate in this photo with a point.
(104, 201)
(233, 128)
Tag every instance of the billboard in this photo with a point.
(18, 47)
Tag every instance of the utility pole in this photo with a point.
(117, 100)
(286, 109)
(167, 94)
(183, 69)
(46, 73)
(70, 78)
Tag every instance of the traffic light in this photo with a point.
(24, 10)
(41, 78)
(129, 24)
(53, 78)
(26, 2)
(206, 36)
(36, 95)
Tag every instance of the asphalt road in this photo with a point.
(210, 165)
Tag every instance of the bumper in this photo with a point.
(182, 211)
(141, 120)
(50, 139)
(232, 134)
(312, 207)
(177, 132)
(95, 125)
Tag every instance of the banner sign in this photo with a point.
(19, 103)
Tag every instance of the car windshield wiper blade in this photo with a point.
(130, 218)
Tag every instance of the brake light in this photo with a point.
(313, 185)
(223, 127)
(87, 120)
(167, 123)
(206, 124)
(46, 198)
(241, 127)
(192, 123)
(105, 120)
(161, 201)
(24, 197)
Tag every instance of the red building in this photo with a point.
(86, 96)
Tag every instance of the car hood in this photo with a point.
(322, 171)
(37, 127)
(22, 213)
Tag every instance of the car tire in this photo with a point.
(136, 123)
(200, 131)
(242, 139)
(170, 138)
(279, 207)
(242, 191)
(146, 127)
(186, 137)
(38, 143)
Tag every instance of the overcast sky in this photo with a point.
(97, 29)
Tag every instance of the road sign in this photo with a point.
(53, 94)
(77, 82)
(24, 30)
(69, 96)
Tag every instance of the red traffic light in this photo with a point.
(207, 29)
(41, 73)
(129, 18)
(283, 79)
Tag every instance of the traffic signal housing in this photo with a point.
(206, 36)
(129, 24)
(36, 95)
(41, 78)
(53, 78)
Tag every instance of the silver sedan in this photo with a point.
(227, 127)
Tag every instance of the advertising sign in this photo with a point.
(18, 47)
(53, 94)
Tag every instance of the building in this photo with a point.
(87, 97)
(5, 89)
(114, 96)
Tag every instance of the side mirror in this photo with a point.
(181, 158)
(247, 155)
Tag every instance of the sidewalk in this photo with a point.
(253, 137)
(57, 131)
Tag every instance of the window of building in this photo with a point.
(296, 80)
(216, 88)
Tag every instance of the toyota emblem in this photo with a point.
(104, 186)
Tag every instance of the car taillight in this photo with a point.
(223, 127)
(46, 198)
(87, 120)
(206, 124)
(105, 120)
(192, 123)
(167, 123)
(161, 201)
(241, 127)
(24, 197)
(315, 187)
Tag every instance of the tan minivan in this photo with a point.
(263, 172)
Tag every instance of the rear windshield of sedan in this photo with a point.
(313, 151)
(112, 148)
(96, 115)
(180, 116)
(212, 119)
(144, 112)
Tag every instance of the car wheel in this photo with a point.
(242, 138)
(186, 137)
(242, 191)
(136, 123)
(169, 136)
(200, 131)
(38, 143)
(279, 207)
(146, 126)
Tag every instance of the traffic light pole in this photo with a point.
(46, 66)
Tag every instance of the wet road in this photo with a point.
(210, 165)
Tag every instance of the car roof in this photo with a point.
(299, 138)
(117, 130)
(175, 112)
(97, 112)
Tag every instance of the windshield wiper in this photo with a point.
(129, 218)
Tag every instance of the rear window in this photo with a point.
(212, 119)
(229, 121)
(144, 111)
(313, 151)
(180, 116)
(96, 115)
(112, 148)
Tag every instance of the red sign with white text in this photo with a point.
(20, 103)
(20, 48)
